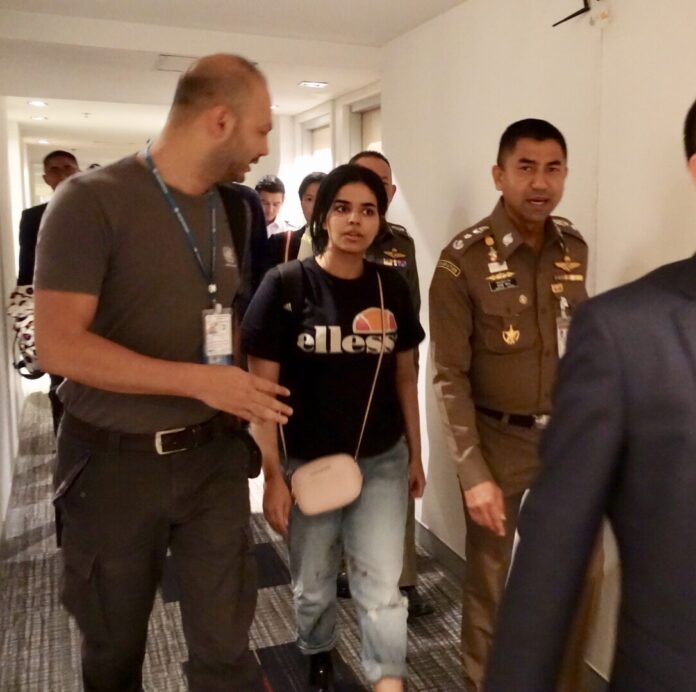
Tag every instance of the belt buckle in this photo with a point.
(158, 441)
(541, 420)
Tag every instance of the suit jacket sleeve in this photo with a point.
(28, 234)
(559, 522)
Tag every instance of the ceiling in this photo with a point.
(101, 56)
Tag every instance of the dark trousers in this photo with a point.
(121, 510)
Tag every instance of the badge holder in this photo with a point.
(217, 335)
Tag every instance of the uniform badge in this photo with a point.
(508, 239)
(557, 288)
(511, 336)
(523, 299)
(502, 284)
(394, 254)
(458, 244)
(567, 265)
(451, 267)
(569, 277)
(495, 267)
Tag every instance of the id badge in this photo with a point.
(562, 326)
(217, 336)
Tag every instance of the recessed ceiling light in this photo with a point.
(43, 141)
(38, 117)
(37, 103)
(314, 85)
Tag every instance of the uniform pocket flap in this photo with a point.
(66, 477)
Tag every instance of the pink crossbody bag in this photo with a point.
(334, 481)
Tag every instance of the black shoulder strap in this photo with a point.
(292, 279)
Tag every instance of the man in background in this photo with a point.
(58, 166)
(271, 192)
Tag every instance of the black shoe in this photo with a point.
(417, 607)
(342, 585)
(321, 672)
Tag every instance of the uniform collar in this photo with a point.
(508, 239)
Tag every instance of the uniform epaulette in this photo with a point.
(397, 228)
(566, 226)
(468, 237)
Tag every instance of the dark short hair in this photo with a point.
(308, 180)
(270, 183)
(530, 128)
(690, 132)
(55, 154)
(330, 187)
(369, 154)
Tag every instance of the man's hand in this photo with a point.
(277, 503)
(485, 504)
(235, 391)
(416, 478)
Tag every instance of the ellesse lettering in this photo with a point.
(330, 339)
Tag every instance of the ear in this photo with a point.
(220, 122)
(497, 173)
(692, 167)
(45, 179)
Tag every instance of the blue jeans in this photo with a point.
(371, 530)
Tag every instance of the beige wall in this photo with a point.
(619, 93)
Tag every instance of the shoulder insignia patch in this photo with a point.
(469, 236)
(397, 228)
(451, 267)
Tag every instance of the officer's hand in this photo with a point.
(231, 389)
(486, 506)
(277, 502)
(416, 478)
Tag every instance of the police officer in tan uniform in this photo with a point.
(501, 300)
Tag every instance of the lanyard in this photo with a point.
(209, 276)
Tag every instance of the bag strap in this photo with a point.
(292, 284)
(379, 359)
(379, 363)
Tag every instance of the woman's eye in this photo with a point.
(369, 211)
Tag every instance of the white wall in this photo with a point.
(10, 394)
(619, 93)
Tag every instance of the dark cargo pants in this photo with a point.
(121, 511)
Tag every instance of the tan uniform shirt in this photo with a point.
(494, 305)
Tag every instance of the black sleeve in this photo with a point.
(266, 324)
(28, 234)
(410, 330)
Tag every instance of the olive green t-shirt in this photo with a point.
(110, 233)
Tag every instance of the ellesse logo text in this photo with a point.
(366, 336)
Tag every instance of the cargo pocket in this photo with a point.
(71, 465)
(508, 325)
(80, 592)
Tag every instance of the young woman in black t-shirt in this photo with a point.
(324, 347)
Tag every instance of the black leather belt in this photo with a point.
(524, 421)
(162, 442)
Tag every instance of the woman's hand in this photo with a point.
(277, 502)
(416, 478)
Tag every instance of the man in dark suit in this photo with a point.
(622, 442)
(58, 165)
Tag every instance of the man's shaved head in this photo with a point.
(214, 80)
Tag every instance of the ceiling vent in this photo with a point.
(173, 63)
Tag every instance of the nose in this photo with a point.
(539, 181)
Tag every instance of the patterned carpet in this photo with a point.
(39, 644)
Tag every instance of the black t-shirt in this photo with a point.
(328, 353)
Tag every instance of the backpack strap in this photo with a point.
(292, 283)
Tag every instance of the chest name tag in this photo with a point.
(502, 284)
(217, 336)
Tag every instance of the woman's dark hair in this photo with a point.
(329, 188)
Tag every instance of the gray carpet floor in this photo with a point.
(39, 644)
